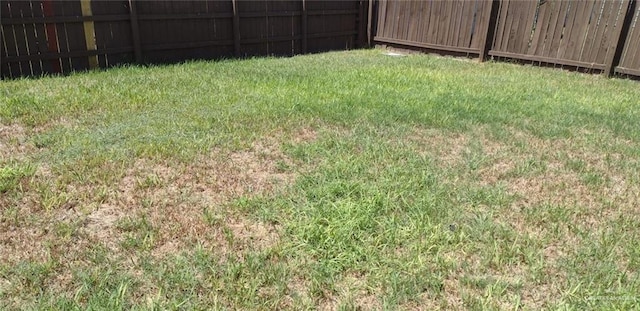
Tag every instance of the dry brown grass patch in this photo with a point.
(13, 142)
(556, 187)
(353, 287)
(185, 204)
(305, 135)
(175, 196)
(447, 148)
(20, 244)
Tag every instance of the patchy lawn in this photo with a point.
(349, 180)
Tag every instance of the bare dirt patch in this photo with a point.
(447, 148)
(253, 234)
(453, 149)
(18, 244)
(556, 187)
(100, 225)
(353, 287)
(452, 293)
(13, 141)
(305, 135)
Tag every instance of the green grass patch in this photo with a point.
(349, 180)
(12, 174)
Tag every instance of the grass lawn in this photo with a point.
(348, 180)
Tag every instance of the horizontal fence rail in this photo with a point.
(602, 35)
(59, 36)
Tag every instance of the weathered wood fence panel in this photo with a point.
(594, 34)
(448, 25)
(630, 58)
(53, 36)
(576, 33)
(113, 35)
(35, 41)
(173, 31)
(58, 36)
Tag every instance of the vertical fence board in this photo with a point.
(542, 24)
(554, 35)
(391, 18)
(630, 60)
(424, 20)
(568, 36)
(513, 18)
(412, 20)
(32, 38)
(436, 10)
(38, 43)
(615, 38)
(594, 17)
(113, 34)
(6, 41)
(574, 50)
(18, 10)
(399, 27)
(528, 27)
(457, 21)
(44, 45)
(606, 24)
(598, 31)
(471, 29)
(445, 18)
(75, 35)
(502, 20)
(486, 21)
(4, 69)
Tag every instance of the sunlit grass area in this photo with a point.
(346, 180)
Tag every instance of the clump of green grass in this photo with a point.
(12, 174)
(339, 181)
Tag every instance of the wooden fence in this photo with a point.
(59, 36)
(594, 34)
(455, 26)
(576, 33)
(53, 36)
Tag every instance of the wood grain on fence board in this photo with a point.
(583, 33)
(434, 24)
(630, 60)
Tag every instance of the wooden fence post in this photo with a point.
(236, 28)
(304, 27)
(487, 42)
(135, 31)
(613, 59)
(89, 33)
